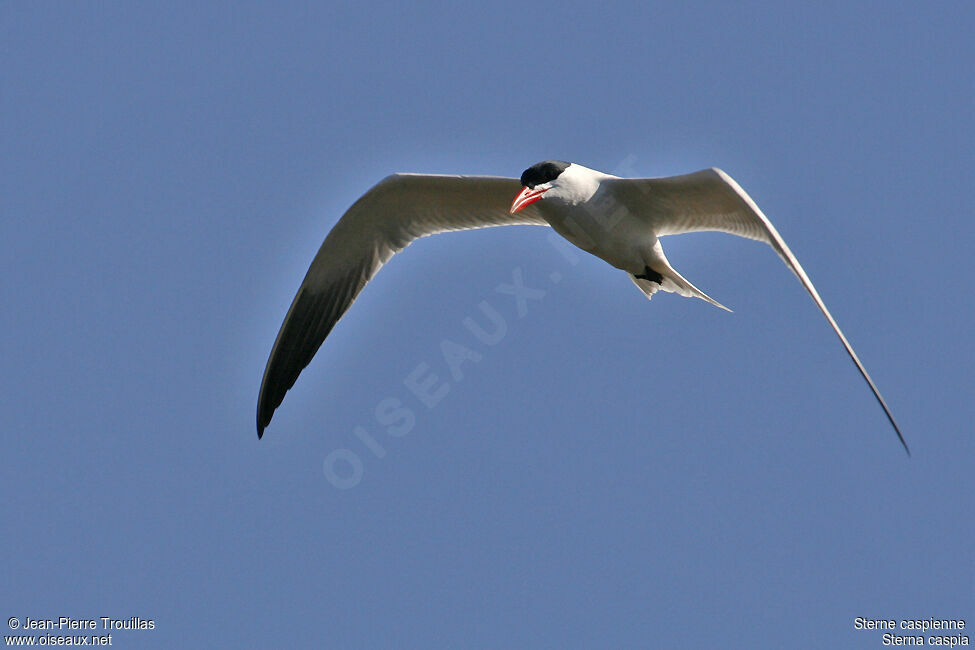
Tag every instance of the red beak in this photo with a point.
(527, 196)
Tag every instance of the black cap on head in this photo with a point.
(543, 172)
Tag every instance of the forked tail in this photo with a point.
(670, 280)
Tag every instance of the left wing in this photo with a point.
(384, 220)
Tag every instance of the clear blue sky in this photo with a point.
(614, 472)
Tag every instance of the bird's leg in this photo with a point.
(650, 275)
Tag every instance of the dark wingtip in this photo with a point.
(903, 442)
(893, 422)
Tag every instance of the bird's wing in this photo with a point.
(712, 200)
(399, 209)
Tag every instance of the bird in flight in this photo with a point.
(617, 219)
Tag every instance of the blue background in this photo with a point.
(614, 472)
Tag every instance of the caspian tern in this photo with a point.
(617, 219)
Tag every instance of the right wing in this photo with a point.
(712, 200)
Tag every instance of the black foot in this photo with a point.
(651, 275)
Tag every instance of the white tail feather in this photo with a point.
(677, 283)
(673, 282)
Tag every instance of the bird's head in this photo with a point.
(558, 180)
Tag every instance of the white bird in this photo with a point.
(617, 219)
